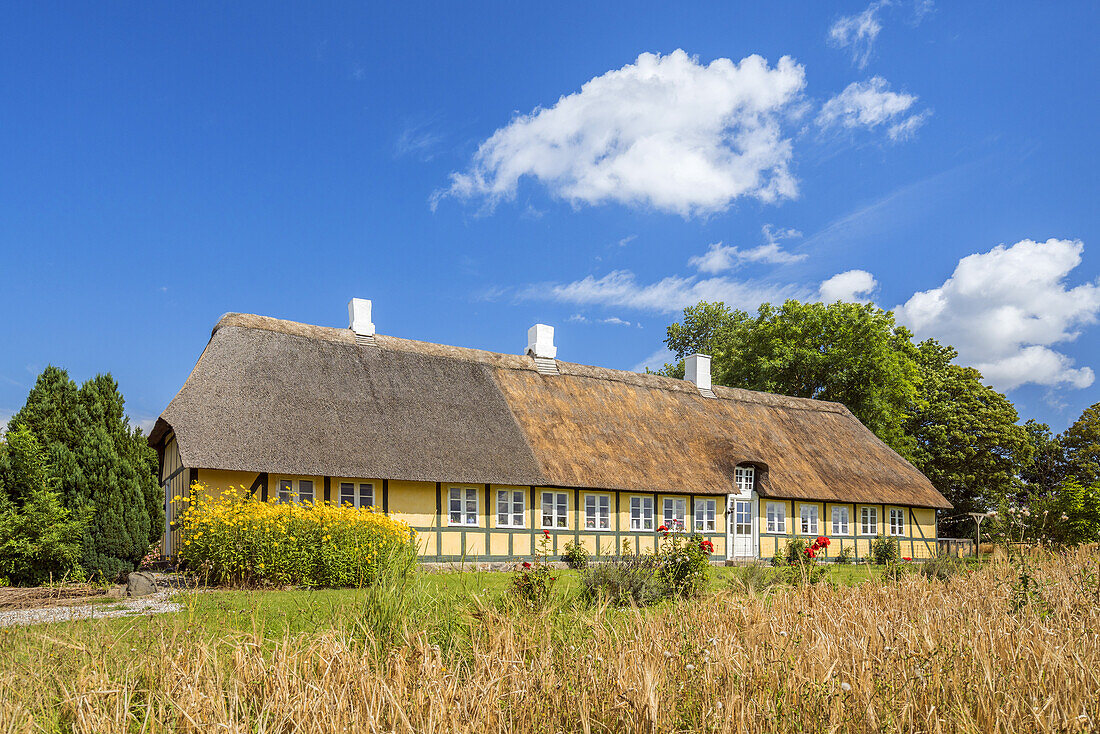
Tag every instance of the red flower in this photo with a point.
(546, 533)
(526, 564)
(810, 552)
(706, 546)
(906, 559)
(663, 529)
(822, 541)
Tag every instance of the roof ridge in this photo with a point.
(504, 360)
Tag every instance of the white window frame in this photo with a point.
(362, 493)
(706, 514)
(289, 490)
(641, 513)
(841, 522)
(558, 501)
(897, 529)
(463, 496)
(868, 521)
(744, 479)
(600, 517)
(803, 516)
(776, 513)
(285, 489)
(513, 508)
(668, 513)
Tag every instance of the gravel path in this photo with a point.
(153, 604)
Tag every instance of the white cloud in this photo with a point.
(654, 361)
(852, 286)
(1004, 310)
(870, 104)
(858, 33)
(579, 318)
(670, 294)
(720, 258)
(627, 240)
(665, 132)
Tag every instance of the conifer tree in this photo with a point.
(97, 461)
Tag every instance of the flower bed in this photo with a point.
(236, 539)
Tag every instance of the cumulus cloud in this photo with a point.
(1005, 309)
(870, 104)
(719, 257)
(665, 132)
(858, 32)
(852, 286)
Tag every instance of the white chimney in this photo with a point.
(697, 371)
(540, 341)
(359, 317)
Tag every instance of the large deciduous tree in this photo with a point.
(100, 462)
(850, 353)
(1082, 447)
(968, 442)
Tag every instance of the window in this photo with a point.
(868, 520)
(597, 512)
(743, 479)
(555, 510)
(840, 521)
(364, 497)
(704, 515)
(808, 514)
(742, 517)
(777, 517)
(897, 522)
(463, 506)
(641, 513)
(510, 507)
(287, 491)
(305, 490)
(675, 513)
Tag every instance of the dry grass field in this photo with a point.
(1006, 648)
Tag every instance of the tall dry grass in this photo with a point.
(966, 655)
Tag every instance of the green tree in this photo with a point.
(97, 460)
(1082, 445)
(40, 538)
(968, 442)
(1047, 468)
(850, 353)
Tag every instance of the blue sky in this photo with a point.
(474, 169)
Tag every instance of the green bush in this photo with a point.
(533, 581)
(575, 555)
(885, 550)
(39, 537)
(846, 555)
(683, 563)
(623, 581)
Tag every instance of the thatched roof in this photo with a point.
(289, 398)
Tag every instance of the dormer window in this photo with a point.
(744, 477)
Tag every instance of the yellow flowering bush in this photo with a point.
(237, 539)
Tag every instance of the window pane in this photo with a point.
(347, 493)
(305, 490)
(366, 495)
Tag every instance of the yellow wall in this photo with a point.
(416, 502)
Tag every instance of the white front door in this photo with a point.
(741, 520)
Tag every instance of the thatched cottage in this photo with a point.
(480, 451)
